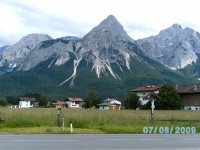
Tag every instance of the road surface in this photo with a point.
(100, 142)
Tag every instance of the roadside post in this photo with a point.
(63, 123)
(71, 127)
(152, 109)
(59, 113)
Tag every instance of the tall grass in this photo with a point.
(126, 121)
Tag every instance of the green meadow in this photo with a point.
(45, 120)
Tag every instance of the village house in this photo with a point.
(26, 102)
(190, 96)
(74, 102)
(110, 104)
(144, 91)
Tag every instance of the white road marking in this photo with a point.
(191, 139)
(44, 140)
(133, 139)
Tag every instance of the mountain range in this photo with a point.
(106, 58)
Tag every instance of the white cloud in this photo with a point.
(140, 18)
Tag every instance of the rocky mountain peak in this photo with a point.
(109, 29)
(171, 31)
(176, 27)
(15, 54)
(173, 47)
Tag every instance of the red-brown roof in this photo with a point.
(147, 88)
(74, 99)
(195, 88)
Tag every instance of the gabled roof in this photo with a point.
(74, 99)
(147, 88)
(27, 99)
(195, 88)
(60, 103)
(109, 100)
(108, 104)
(151, 96)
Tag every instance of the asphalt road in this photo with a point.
(100, 142)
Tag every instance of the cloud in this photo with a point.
(140, 18)
(23, 18)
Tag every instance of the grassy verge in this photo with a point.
(39, 120)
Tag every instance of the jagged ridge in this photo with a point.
(173, 47)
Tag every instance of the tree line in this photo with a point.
(169, 100)
(13, 100)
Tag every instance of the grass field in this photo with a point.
(37, 120)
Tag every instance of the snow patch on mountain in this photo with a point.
(73, 76)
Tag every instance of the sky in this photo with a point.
(58, 18)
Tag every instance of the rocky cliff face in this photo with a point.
(173, 47)
(4, 47)
(104, 45)
(107, 43)
(15, 55)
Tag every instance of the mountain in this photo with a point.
(173, 47)
(14, 56)
(105, 58)
(4, 47)
(70, 38)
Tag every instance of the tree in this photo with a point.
(3, 102)
(43, 101)
(91, 99)
(33, 95)
(132, 101)
(169, 99)
(12, 100)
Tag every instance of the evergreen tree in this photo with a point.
(132, 101)
(169, 99)
(12, 100)
(43, 101)
(91, 99)
(3, 102)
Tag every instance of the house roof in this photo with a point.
(151, 96)
(147, 88)
(59, 103)
(107, 104)
(110, 100)
(195, 88)
(74, 99)
(27, 99)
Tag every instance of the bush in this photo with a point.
(3, 102)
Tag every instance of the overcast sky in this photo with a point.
(57, 18)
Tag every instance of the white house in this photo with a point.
(110, 104)
(74, 102)
(144, 91)
(26, 102)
